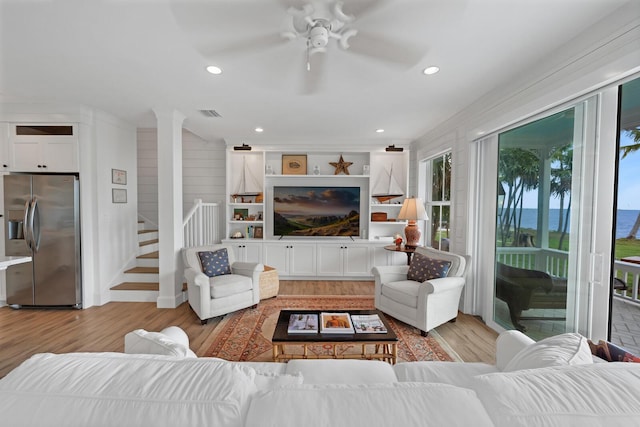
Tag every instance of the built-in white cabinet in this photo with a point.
(43, 148)
(381, 256)
(256, 178)
(343, 259)
(291, 258)
(247, 251)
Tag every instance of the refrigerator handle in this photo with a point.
(25, 224)
(34, 225)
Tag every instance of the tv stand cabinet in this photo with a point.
(317, 258)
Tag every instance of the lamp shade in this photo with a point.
(412, 209)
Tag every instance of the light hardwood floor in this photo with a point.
(29, 331)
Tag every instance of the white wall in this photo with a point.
(203, 169)
(608, 52)
(148, 175)
(115, 144)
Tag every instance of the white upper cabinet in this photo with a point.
(43, 148)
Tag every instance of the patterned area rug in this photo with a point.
(246, 334)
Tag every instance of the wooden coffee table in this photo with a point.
(378, 346)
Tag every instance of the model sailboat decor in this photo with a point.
(387, 187)
(248, 185)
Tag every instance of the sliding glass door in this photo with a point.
(540, 181)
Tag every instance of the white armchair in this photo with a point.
(424, 305)
(214, 296)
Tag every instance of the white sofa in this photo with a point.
(550, 383)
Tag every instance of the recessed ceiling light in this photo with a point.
(214, 70)
(379, 130)
(259, 129)
(431, 70)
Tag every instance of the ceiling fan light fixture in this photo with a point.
(392, 148)
(243, 147)
(431, 70)
(318, 36)
(214, 69)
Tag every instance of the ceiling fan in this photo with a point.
(322, 25)
(317, 27)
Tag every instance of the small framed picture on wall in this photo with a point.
(294, 164)
(118, 195)
(118, 177)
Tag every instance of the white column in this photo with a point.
(170, 206)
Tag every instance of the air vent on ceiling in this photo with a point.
(210, 113)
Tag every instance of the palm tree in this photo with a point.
(519, 172)
(631, 148)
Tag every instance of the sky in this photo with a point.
(629, 179)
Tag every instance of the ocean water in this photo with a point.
(625, 220)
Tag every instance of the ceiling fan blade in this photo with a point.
(250, 44)
(361, 8)
(385, 49)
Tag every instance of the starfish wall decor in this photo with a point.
(341, 166)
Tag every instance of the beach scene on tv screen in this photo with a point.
(316, 211)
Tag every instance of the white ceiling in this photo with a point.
(127, 57)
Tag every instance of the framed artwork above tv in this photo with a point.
(316, 211)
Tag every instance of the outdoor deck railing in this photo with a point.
(555, 262)
(551, 261)
(630, 274)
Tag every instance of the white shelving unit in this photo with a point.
(320, 257)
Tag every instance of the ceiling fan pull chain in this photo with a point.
(308, 56)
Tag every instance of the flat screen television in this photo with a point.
(316, 211)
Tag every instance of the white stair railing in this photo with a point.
(200, 225)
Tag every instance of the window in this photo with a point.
(438, 201)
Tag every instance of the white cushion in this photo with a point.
(144, 342)
(397, 404)
(271, 380)
(508, 344)
(229, 284)
(403, 291)
(558, 350)
(332, 371)
(600, 394)
(458, 374)
(115, 389)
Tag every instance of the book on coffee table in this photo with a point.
(303, 323)
(368, 324)
(335, 323)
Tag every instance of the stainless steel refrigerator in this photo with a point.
(42, 220)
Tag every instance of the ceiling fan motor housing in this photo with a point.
(319, 36)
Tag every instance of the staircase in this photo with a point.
(142, 281)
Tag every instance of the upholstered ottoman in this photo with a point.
(269, 283)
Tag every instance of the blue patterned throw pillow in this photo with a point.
(215, 263)
(423, 268)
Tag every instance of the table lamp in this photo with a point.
(412, 210)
